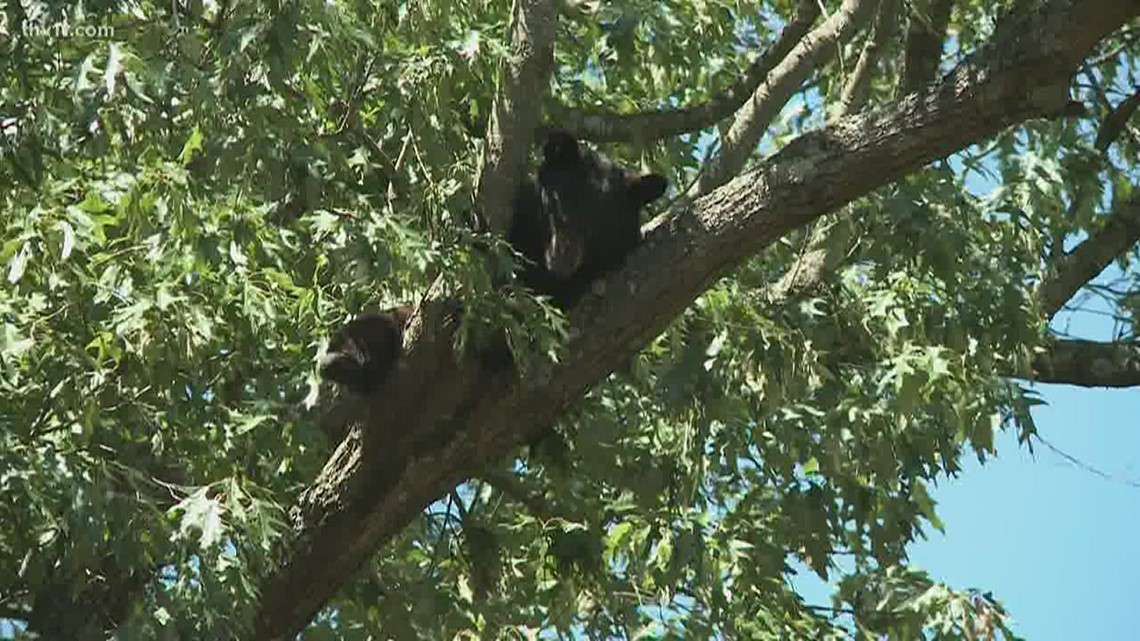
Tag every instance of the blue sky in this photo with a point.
(1056, 543)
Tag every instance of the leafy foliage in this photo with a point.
(197, 194)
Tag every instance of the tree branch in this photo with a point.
(1115, 122)
(924, 38)
(753, 117)
(438, 421)
(827, 247)
(13, 613)
(1088, 364)
(365, 458)
(857, 91)
(1078, 267)
(516, 113)
(662, 123)
(537, 505)
(83, 602)
(829, 244)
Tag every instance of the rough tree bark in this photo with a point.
(440, 421)
(752, 119)
(1079, 362)
(1089, 364)
(924, 38)
(516, 112)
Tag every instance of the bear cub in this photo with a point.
(362, 352)
(579, 220)
(574, 224)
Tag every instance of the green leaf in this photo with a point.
(191, 147)
(18, 264)
(202, 515)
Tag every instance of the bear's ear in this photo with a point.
(646, 188)
(561, 149)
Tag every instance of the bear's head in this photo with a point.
(589, 204)
(362, 352)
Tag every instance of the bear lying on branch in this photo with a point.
(574, 224)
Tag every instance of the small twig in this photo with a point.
(1085, 466)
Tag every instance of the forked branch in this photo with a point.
(662, 123)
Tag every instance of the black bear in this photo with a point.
(580, 219)
(362, 352)
(576, 223)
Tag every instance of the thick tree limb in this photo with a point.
(424, 396)
(752, 119)
(362, 456)
(924, 38)
(1089, 258)
(657, 124)
(1088, 364)
(516, 113)
(440, 422)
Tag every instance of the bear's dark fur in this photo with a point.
(362, 352)
(574, 224)
(579, 220)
